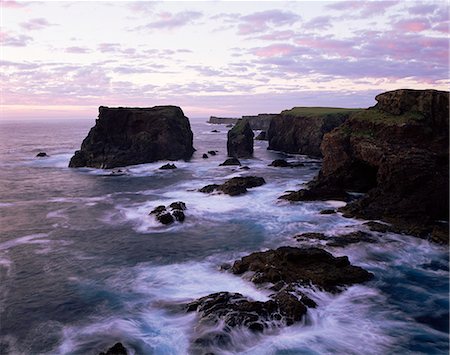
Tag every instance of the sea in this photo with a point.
(83, 265)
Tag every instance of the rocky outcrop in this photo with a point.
(307, 267)
(258, 122)
(281, 163)
(129, 136)
(240, 140)
(235, 186)
(338, 240)
(397, 153)
(261, 136)
(230, 162)
(301, 129)
(117, 349)
(168, 166)
(41, 155)
(175, 213)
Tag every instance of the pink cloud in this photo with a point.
(14, 40)
(12, 4)
(35, 24)
(412, 25)
(260, 21)
(274, 50)
(278, 35)
(328, 46)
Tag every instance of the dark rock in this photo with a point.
(179, 215)
(280, 163)
(168, 166)
(379, 227)
(301, 130)
(158, 210)
(211, 152)
(41, 154)
(240, 140)
(235, 186)
(209, 188)
(128, 136)
(324, 194)
(229, 125)
(231, 161)
(330, 211)
(244, 168)
(117, 349)
(179, 205)
(234, 310)
(397, 153)
(215, 131)
(338, 240)
(205, 156)
(261, 136)
(165, 218)
(303, 266)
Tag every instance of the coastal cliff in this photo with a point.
(258, 122)
(397, 153)
(240, 140)
(128, 136)
(301, 129)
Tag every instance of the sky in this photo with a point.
(224, 58)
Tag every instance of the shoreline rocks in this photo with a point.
(231, 161)
(117, 349)
(235, 186)
(41, 155)
(175, 213)
(129, 136)
(240, 140)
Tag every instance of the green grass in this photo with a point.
(319, 111)
(377, 116)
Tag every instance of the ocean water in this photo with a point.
(83, 265)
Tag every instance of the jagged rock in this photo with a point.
(338, 240)
(41, 155)
(117, 349)
(303, 266)
(240, 140)
(235, 186)
(205, 156)
(129, 136)
(261, 136)
(280, 163)
(324, 194)
(179, 215)
(328, 211)
(168, 166)
(211, 152)
(301, 129)
(215, 131)
(165, 218)
(158, 209)
(231, 161)
(168, 217)
(179, 205)
(397, 153)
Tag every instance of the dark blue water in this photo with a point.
(83, 265)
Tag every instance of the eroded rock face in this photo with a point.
(235, 186)
(297, 133)
(240, 140)
(129, 136)
(303, 266)
(397, 153)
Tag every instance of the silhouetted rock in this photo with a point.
(231, 161)
(167, 217)
(261, 136)
(302, 266)
(168, 166)
(179, 205)
(240, 140)
(235, 186)
(328, 211)
(129, 136)
(211, 152)
(205, 156)
(41, 155)
(341, 240)
(117, 349)
(215, 131)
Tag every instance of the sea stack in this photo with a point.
(240, 140)
(127, 136)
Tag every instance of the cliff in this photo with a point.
(258, 122)
(396, 153)
(301, 129)
(129, 136)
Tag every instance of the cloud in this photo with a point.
(14, 40)
(10, 4)
(35, 24)
(77, 50)
(142, 7)
(260, 21)
(319, 23)
(170, 21)
(362, 8)
(275, 50)
(278, 35)
(412, 25)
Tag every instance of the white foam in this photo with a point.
(28, 239)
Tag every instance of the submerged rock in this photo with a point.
(303, 266)
(235, 186)
(231, 161)
(281, 163)
(117, 349)
(168, 166)
(212, 152)
(129, 136)
(240, 140)
(41, 155)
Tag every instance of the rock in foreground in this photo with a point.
(175, 213)
(240, 140)
(117, 349)
(303, 266)
(235, 186)
(129, 136)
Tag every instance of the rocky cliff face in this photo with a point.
(396, 152)
(240, 140)
(128, 136)
(258, 122)
(300, 130)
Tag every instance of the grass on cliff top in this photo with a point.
(377, 116)
(319, 111)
